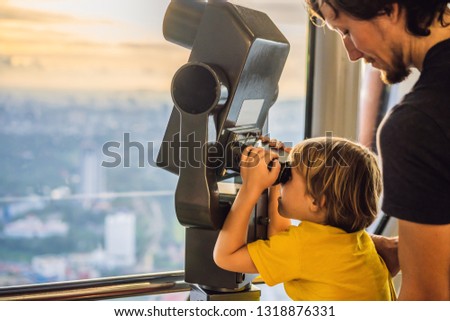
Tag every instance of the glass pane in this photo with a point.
(287, 116)
(84, 102)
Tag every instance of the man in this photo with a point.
(414, 139)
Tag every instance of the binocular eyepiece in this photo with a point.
(285, 173)
(233, 160)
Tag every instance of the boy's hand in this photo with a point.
(259, 168)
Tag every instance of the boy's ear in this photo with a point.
(316, 206)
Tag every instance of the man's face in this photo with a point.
(369, 40)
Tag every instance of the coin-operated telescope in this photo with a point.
(222, 97)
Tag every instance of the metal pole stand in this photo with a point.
(251, 293)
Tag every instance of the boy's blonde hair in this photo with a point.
(346, 174)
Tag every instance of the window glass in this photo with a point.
(287, 115)
(84, 103)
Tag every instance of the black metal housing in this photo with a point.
(221, 95)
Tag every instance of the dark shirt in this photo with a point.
(414, 144)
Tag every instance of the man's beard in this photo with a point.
(397, 72)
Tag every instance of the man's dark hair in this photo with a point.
(420, 14)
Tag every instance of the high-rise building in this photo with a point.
(120, 239)
(92, 176)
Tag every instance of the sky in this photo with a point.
(111, 44)
(80, 44)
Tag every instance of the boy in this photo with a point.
(334, 190)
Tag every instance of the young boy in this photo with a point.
(334, 191)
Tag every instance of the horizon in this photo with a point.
(87, 45)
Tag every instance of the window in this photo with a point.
(84, 102)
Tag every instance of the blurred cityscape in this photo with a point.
(64, 216)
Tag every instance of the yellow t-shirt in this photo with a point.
(320, 262)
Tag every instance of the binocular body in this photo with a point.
(222, 97)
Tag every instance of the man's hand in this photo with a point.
(387, 248)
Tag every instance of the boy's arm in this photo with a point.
(277, 223)
(230, 252)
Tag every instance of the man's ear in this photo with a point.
(393, 12)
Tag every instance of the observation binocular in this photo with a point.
(234, 154)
